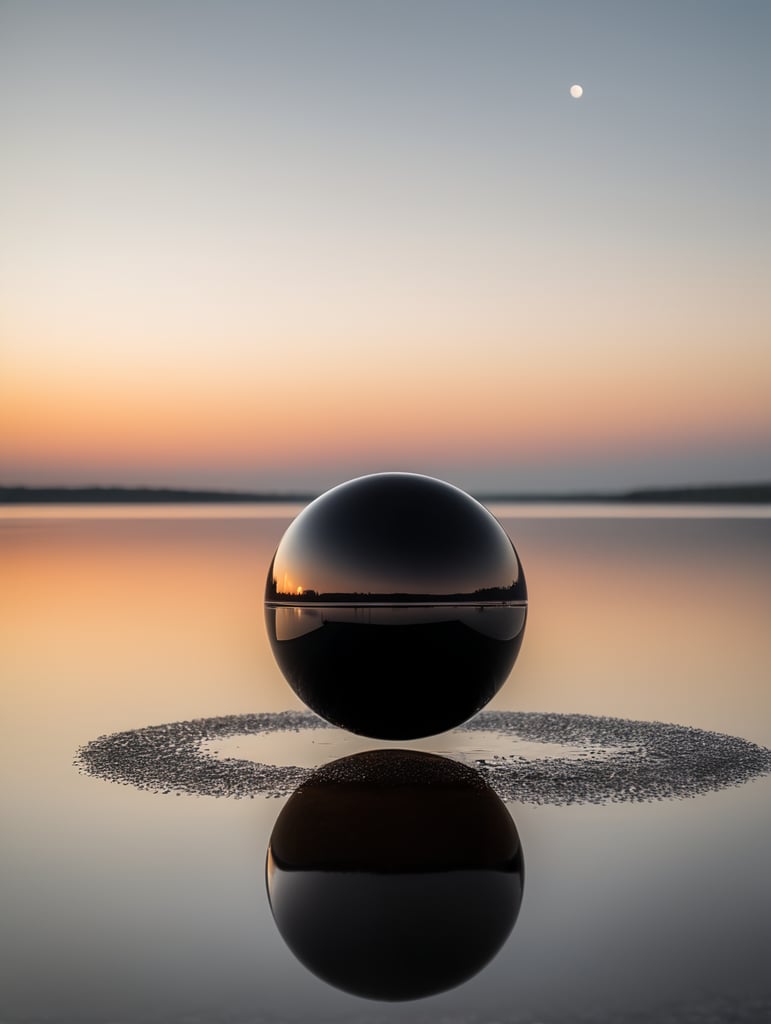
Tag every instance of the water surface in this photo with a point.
(128, 906)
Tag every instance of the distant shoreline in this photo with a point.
(751, 493)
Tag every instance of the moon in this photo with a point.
(576, 91)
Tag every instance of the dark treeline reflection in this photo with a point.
(395, 874)
(300, 596)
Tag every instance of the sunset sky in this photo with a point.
(274, 245)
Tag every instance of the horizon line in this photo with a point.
(20, 494)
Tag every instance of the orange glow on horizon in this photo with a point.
(135, 423)
(86, 413)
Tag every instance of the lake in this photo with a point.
(124, 905)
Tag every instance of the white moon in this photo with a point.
(576, 91)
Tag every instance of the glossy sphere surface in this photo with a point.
(395, 606)
(395, 874)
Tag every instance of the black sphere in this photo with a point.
(395, 606)
(395, 874)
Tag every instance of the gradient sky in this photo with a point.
(279, 244)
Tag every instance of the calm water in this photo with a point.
(126, 906)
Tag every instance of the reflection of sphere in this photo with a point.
(395, 605)
(395, 874)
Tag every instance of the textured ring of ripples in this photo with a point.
(653, 761)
